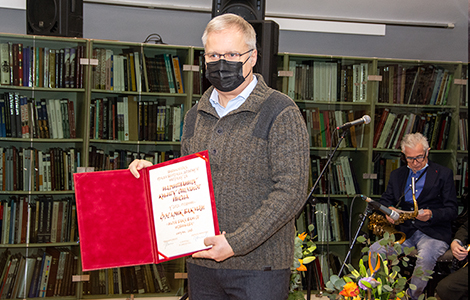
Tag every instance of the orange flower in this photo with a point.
(350, 289)
(302, 236)
(302, 266)
(377, 266)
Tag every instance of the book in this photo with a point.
(172, 211)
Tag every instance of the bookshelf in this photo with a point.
(114, 125)
(373, 86)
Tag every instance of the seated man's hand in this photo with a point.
(221, 250)
(137, 165)
(458, 250)
(424, 215)
(390, 220)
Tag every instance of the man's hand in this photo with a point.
(138, 164)
(390, 220)
(424, 215)
(458, 250)
(221, 250)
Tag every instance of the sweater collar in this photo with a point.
(252, 103)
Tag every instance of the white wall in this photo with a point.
(102, 21)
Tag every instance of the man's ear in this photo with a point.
(254, 57)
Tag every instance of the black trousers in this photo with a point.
(454, 286)
(221, 284)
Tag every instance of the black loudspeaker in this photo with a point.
(54, 17)
(267, 43)
(248, 9)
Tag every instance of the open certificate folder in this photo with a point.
(163, 215)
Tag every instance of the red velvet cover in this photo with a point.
(115, 218)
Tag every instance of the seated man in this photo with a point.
(455, 286)
(430, 233)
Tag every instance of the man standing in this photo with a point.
(430, 233)
(259, 155)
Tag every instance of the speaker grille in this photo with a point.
(42, 15)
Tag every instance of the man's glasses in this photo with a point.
(418, 159)
(229, 56)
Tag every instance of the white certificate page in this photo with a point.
(182, 207)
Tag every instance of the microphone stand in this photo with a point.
(312, 200)
(366, 213)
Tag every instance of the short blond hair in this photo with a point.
(228, 20)
(411, 140)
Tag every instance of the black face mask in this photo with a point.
(225, 75)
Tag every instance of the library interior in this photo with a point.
(322, 142)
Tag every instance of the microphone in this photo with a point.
(377, 206)
(364, 120)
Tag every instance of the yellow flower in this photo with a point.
(302, 236)
(302, 266)
(350, 289)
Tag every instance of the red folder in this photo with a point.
(115, 210)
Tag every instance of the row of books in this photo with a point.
(463, 133)
(337, 230)
(117, 159)
(41, 66)
(123, 118)
(30, 169)
(127, 280)
(322, 124)
(326, 266)
(323, 81)
(461, 185)
(132, 70)
(23, 117)
(422, 85)
(344, 180)
(384, 163)
(38, 220)
(391, 127)
(44, 274)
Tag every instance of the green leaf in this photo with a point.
(387, 288)
(413, 287)
(334, 278)
(362, 268)
(365, 249)
(408, 250)
(421, 297)
(361, 239)
(347, 279)
(330, 286)
(401, 281)
(356, 274)
(308, 259)
(396, 269)
(386, 235)
(311, 227)
(383, 242)
(405, 264)
(405, 258)
(365, 283)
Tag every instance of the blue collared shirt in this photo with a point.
(235, 102)
(419, 184)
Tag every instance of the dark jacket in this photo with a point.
(438, 195)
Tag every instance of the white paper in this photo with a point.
(182, 207)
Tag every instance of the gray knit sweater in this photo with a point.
(259, 157)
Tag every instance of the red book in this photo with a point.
(163, 215)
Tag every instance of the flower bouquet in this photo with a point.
(303, 255)
(381, 281)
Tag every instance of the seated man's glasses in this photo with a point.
(229, 56)
(418, 159)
